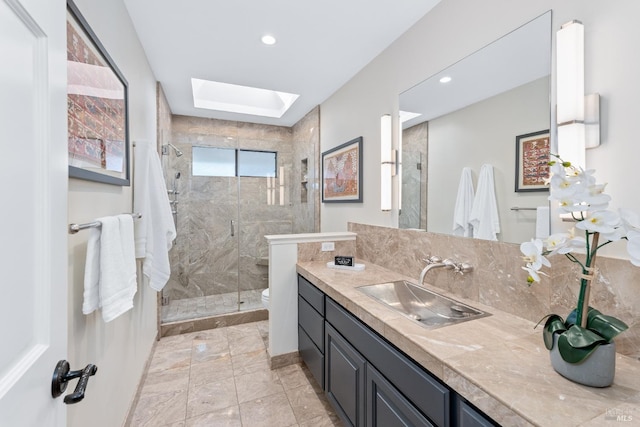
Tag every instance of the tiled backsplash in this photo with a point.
(313, 251)
(498, 280)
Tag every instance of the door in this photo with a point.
(33, 237)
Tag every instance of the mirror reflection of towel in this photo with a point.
(464, 203)
(542, 222)
(484, 213)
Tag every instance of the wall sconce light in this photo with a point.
(578, 117)
(388, 162)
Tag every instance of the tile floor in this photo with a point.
(212, 305)
(221, 377)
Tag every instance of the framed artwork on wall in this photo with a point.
(97, 123)
(532, 161)
(342, 173)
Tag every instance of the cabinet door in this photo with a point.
(386, 407)
(469, 417)
(344, 378)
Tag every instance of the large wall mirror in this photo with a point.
(495, 95)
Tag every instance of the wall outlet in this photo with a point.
(328, 246)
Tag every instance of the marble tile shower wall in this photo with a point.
(306, 180)
(414, 176)
(206, 259)
(498, 280)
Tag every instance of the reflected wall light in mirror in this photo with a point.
(388, 162)
(573, 107)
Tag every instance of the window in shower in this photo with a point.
(211, 161)
(257, 163)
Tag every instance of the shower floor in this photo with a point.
(212, 305)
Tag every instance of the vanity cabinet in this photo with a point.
(368, 381)
(311, 328)
(423, 397)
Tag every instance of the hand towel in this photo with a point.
(155, 231)
(542, 222)
(464, 202)
(484, 213)
(92, 272)
(110, 269)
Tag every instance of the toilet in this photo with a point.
(265, 298)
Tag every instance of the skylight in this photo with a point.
(406, 116)
(240, 99)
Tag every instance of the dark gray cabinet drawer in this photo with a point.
(311, 322)
(387, 407)
(313, 295)
(312, 357)
(344, 378)
(427, 394)
(468, 416)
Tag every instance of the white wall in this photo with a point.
(120, 348)
(453, 30)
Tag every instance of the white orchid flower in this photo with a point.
(557, 168)
(559, 243)
(633, 247)
(586, 176)
(630, 220)
(534, 275)
(600, 221)
(576, 242)
(569, 204)
(578, 193)
(532, 252)
(617, 234)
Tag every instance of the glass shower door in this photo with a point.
(264, 209)
(228, 199)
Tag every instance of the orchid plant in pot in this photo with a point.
(577, 338)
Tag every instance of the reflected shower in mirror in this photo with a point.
(491, 97)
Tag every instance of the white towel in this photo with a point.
(155, 231)
(484, 213)
(92, 273)
(110, 269)
(542, 222)
(464, 202)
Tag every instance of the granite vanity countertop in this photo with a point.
(499, 362)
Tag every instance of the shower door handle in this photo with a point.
(233, 231)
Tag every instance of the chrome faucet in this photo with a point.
(463, 268)
(435, 262)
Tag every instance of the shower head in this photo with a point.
(165, 149)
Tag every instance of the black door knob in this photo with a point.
(61, 376)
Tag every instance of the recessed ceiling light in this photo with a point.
(240, 99)
(445, 79)
(268, 40)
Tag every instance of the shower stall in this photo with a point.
(229, 185)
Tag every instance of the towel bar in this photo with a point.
(515, 208)
(74, 228)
